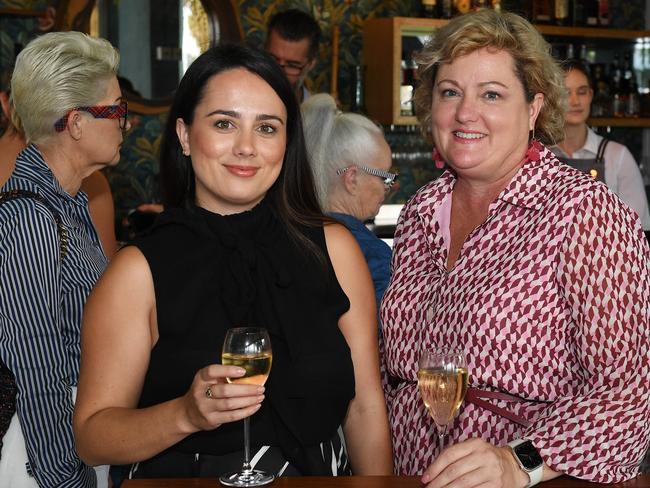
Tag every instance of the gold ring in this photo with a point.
(208, 393)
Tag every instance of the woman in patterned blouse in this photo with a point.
(538, 271)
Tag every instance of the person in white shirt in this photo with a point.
(621, 172)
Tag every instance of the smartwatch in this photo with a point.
(529, 460)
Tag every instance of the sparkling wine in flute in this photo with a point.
(443, 390)
(442, 380)
(257, 367)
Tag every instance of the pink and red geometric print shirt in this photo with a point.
(550, 297)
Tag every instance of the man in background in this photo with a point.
(292, 39)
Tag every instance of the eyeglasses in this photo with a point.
(120, 111)
(291, 67)
(389, 178)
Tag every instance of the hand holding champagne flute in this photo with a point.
(248, 348)
(442, 380)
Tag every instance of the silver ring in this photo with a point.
(208, 393)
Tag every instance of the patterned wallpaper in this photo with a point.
(16, 31)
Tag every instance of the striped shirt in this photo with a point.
(41, 305)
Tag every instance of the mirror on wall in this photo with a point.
(159, 39)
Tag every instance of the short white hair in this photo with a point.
(55, 73)
(335, 140)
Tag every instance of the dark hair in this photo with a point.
(292, 195)
(296, 25)
(576, 65)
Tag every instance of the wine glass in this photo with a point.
(248, 348)
(442, 380)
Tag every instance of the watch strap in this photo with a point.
(535, 475)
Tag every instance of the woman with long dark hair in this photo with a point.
(242, 242)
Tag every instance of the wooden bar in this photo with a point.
(362, 482)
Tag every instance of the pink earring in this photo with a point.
(437, 159)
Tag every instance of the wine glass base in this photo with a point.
(251, 478)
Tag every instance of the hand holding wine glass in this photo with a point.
(248, 348)
(442, 380)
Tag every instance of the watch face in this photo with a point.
(528, 456)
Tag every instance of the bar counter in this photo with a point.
(642, 481)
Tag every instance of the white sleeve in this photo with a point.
(630, 183)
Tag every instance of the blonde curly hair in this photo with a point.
(534, 65)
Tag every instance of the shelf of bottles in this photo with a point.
(618, 60)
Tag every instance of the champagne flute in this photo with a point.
(442, 380)
(248, 348)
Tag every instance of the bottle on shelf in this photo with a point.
(562, 12)
(603, 13)
(591, 13)
(570, 53)
(601, 103)
(428, 9)
(406, 88)
(542, 11)
(446, 9)
(579, 17)
(619, 89)
(633, 105)
(585, 56)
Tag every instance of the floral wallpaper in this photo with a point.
(16, 31)
(135, 179)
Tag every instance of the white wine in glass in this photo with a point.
(442, 380)
(248, 348)
(257, 366)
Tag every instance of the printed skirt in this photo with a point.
(174, 464)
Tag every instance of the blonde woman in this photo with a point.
(350, 161)
(514, 257)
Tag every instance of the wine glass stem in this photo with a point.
(441, 438)
(247, 448)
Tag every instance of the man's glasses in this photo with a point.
(120, 111)
(389, 178)
(291, 67)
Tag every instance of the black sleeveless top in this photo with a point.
(214, 272)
